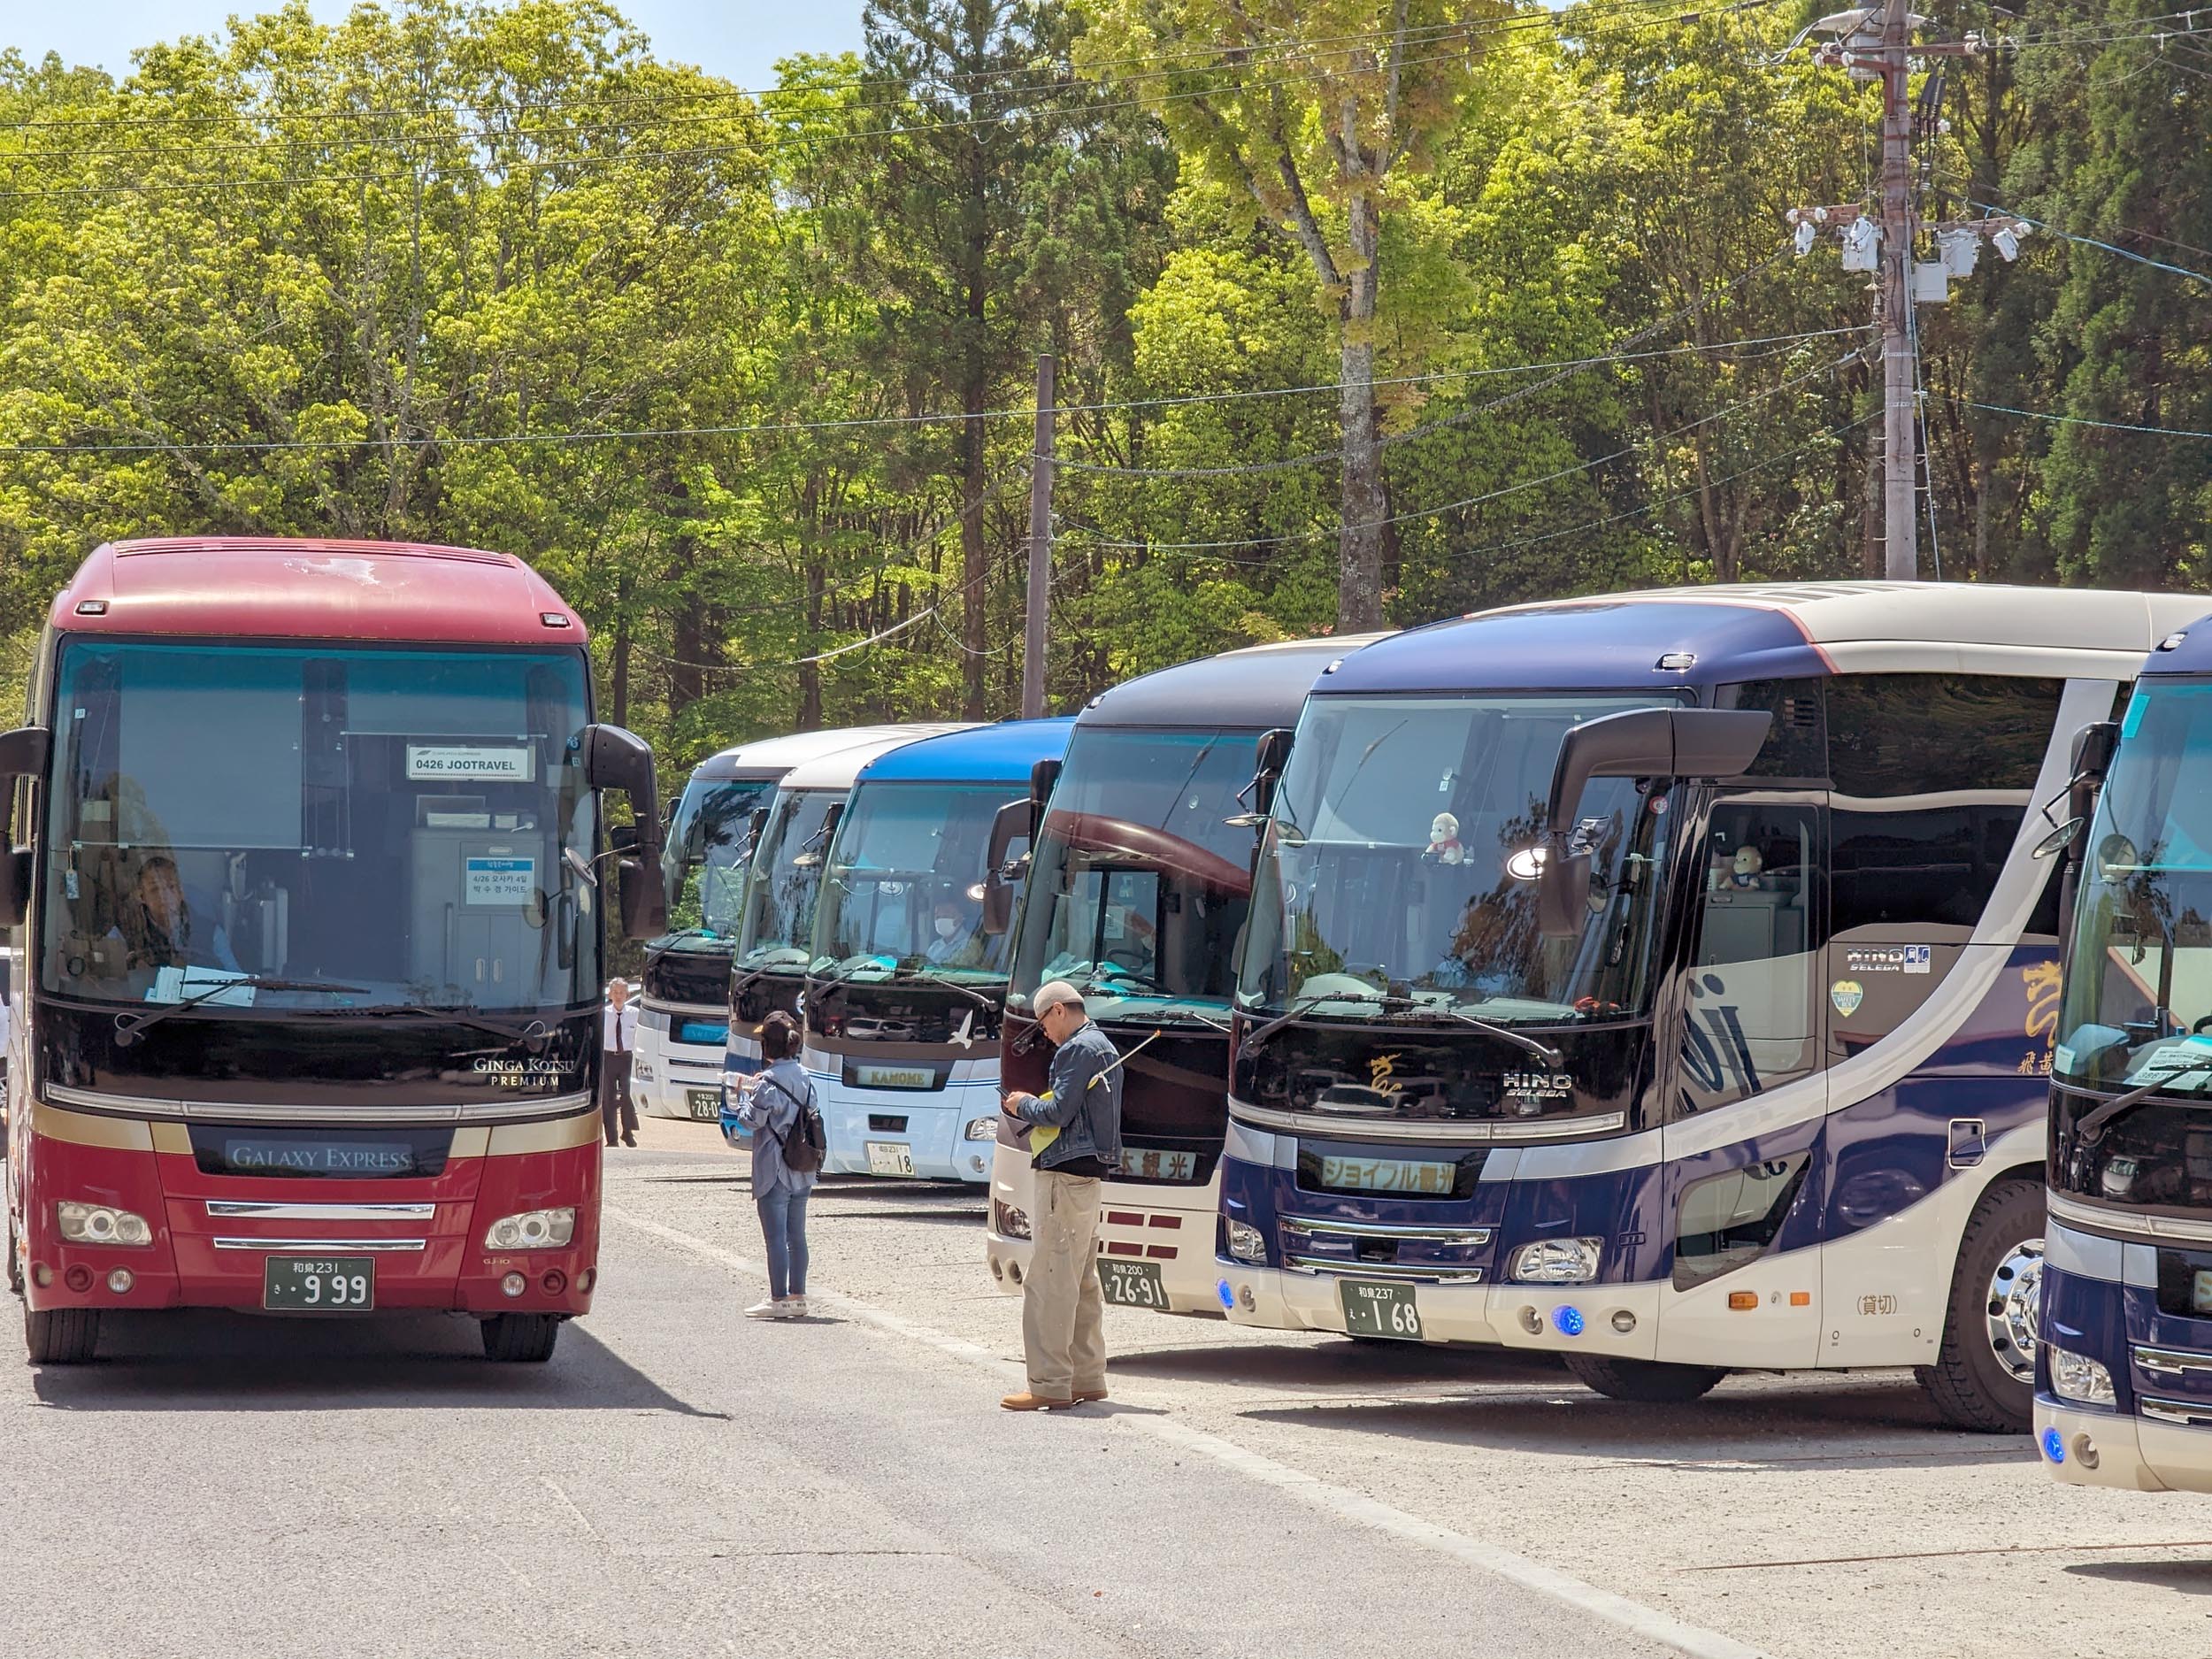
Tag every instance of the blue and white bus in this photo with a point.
(1667, 980)
(783, 880)
(683, 1016)
(1137, 888)
(906, 988)
(2123, 1387)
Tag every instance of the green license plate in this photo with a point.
(705, 1103)
(320, 1284)
(1381, 1310)
(1131, 1284)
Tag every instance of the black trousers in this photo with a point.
(614, 1095)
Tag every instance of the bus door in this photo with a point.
(1742, 1169)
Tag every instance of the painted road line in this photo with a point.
(1647, 1622)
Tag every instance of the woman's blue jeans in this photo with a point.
(783, 1224)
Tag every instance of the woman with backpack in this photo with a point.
(779, 1109)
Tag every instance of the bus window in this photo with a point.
(1750, 1022)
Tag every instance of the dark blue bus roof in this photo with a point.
(1702, 637)
(983, 754)
(2184, 652)
(1254, 689)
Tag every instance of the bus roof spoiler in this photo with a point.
(1636, 743)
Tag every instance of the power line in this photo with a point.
(2091, 241)
(1573, 364)
(2077, 420)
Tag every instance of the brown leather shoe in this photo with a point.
(1027, 1401)
(1084, 1397)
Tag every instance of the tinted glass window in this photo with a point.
(1917, 735)
(1797, 744)
(1749, 1024)
(1728, 1221)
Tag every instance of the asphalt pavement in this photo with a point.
(680, 1481)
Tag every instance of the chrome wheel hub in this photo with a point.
(2016, 1298)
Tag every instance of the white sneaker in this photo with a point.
(766, 1310)
(793, 1307)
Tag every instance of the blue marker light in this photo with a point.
(1228, 1297)
(2054, 1445)
(1567, 1321)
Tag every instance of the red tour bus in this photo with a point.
(305, 917)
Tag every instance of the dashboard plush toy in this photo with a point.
(1444, 846)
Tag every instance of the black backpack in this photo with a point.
(806, 1143)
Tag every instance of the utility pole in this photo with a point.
(1040, 546)
(1874, 43)
(1900, 555)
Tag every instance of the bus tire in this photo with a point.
(520, 1339)
(1984, 1377)
(61, 1336)
(1645, 1381)
(15, 1258)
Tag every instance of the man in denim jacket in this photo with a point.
(1062, 1307)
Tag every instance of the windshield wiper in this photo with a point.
(532, 1034)
(927, 978)
(1260, 1033)
(1549, 1055)
(2091, 1128)
(128, 1026)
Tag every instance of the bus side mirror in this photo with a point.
(1044, 777)
(1695, 744)
(23, 754)
(1274, 755)
(2094, 745)
(1015, 821)
(618, 759)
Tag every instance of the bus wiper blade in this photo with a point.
(1260, 1033)
(913, 974)
(128, 1026)
(2091, 1128)
(532, 1035)
(1549, 1055)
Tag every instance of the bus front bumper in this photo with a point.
(2108, 1448)
(1618, 1321)
(876, 1132)
(1146, 1224)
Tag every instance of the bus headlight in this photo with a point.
(1558, 1261)
(99, 1224)
(1246, 1243)
(2077, 1377)
(1012, 1222)
(641, 1069)
(531, 1230)
(982, 1128)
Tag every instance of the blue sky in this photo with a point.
(739, 39)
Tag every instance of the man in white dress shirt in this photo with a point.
(617, 1036)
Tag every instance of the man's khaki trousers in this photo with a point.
(1061, 1303)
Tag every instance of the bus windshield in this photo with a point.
(242, 825)
(2138, 981)
(1137, 888)
(703, 862)
(1390, 871)
(776, 928)
(905, 883)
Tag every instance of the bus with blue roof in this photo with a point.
(906, 989)
(783, 878)
(683, 1011)
(1667, 980)
(1137, 888)
(2123, 1387)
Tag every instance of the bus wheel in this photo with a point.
(521, 1338)
(1646, 1381)
(61, 1336)
(15, 1256)
(1984, 1377)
